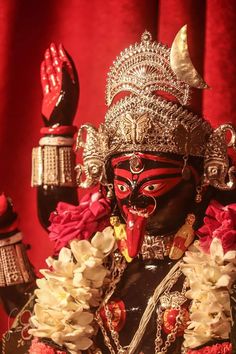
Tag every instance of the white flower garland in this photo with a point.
(72, 288)
(210, 277)
(69, 291)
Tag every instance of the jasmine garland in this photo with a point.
(69, 291)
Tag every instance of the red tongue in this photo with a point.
(135, 233)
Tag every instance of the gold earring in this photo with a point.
(110, 193)
(198, 197)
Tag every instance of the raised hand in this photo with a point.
(60, 87)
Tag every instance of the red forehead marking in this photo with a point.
(119, 159)
(145, 174)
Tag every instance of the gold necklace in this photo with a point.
(156, 247)
(165, 285)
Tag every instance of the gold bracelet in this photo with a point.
(15, 267)
(53, 166)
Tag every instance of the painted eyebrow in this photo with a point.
(123, 179)
(123, 173)
(162, 171)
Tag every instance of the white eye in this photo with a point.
(152, 187)
(122, 188)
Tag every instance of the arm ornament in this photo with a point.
(53, 163)
(15, 267)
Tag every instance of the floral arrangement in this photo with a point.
(38, 347)
(210, 267)
(69, 292)
(220, 222)
(69, 222)
(72, 286)
(219, 348)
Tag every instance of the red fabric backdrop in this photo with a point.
(94, 32)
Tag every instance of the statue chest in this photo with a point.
(129, 302)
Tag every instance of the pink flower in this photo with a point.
(219, 348)
(42, 348)
(220, 222)
(71, 222)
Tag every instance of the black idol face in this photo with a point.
(152, 194)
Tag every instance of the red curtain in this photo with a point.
(94, 32)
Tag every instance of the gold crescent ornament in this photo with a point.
(181, 62)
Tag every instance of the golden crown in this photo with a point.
(144, 68)
(144, 121)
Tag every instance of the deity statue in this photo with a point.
(145, 263)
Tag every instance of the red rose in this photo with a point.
(38, 347)
(71, 222)
(219, 348)
(220, 222)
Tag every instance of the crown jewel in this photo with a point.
(144, 121)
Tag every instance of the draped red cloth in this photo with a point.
(94, 32)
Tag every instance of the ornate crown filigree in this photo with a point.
(150, 123)
(144, 121)
(144, 68)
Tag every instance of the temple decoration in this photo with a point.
(143, 284)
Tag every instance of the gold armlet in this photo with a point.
(15, 267)
(53, 165)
